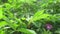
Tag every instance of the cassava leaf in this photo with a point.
(39, 15)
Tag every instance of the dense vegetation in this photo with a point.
(29, 16)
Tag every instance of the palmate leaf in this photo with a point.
(27, 31)
(39, 15)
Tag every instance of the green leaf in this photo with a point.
(10, 1)
(7, 5)
(27, 31)
(3, 23)
(2, 32)
(46, 32)
(39, 15)
(1, 13)
(57, 31)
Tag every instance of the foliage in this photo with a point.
(29, 16)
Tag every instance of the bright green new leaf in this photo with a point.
(1, 13)
(39, 15)
(2, 32)
(3, 23)
(27, 31)
(7, 5)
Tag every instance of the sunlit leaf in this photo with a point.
(1, 13)
(39, 15)
(27, 31)
(3, 23)
(2, 32)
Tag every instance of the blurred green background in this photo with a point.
(29, 16)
